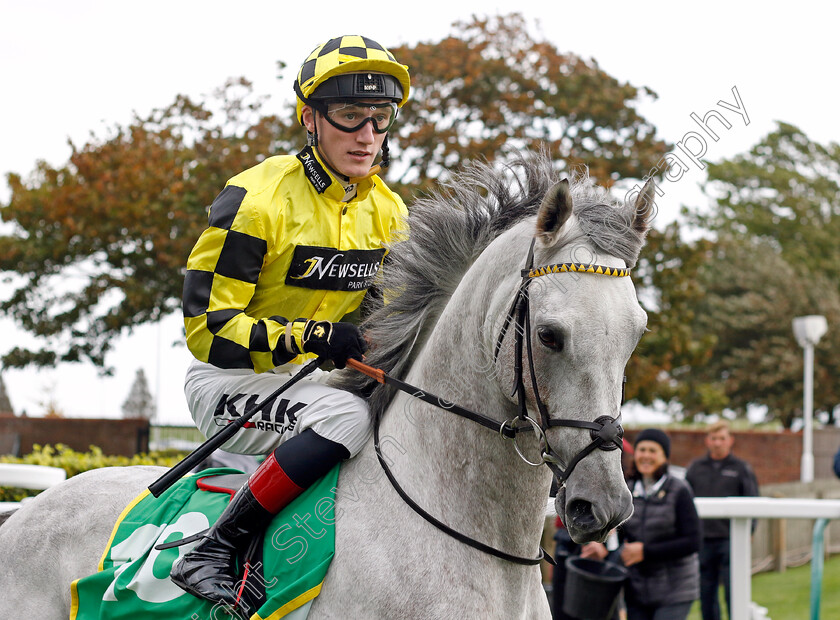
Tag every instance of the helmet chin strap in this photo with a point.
(373, 170)
(377, 168)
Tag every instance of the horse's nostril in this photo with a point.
(580, 512)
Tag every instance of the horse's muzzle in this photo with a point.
(585, 522)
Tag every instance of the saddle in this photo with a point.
(223, 483)
(283, 570)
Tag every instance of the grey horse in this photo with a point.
(447, 292)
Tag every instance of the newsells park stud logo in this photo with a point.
(334, 270)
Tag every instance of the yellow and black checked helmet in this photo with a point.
(351, 67)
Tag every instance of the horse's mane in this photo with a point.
(449, 229)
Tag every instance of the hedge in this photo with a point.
(76, 462)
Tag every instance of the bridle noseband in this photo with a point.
(606, 431)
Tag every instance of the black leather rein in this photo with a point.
(506, 431)
(606, 431)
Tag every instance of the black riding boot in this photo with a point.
(209, 570)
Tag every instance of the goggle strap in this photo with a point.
(299, 93)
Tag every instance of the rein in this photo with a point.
(606, 431)
(509, 432)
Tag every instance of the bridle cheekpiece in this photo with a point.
(606, 432)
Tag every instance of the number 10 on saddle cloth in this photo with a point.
(286, 567)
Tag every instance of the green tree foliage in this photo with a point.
(669, 289)
(777, 220)
(491, 86)
(139, 403)
(785, 190)
(5, 403)
(751, 295)
(99, 245)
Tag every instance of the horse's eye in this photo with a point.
(550, 339)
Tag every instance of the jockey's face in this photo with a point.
(349, 153)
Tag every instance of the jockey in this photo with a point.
(292, 245)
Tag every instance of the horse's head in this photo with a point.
(455, 275)
(583, 324)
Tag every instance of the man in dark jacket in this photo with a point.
(718, 474)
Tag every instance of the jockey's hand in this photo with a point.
(336, 341)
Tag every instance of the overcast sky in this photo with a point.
(72, 68)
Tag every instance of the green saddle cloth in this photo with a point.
(286, 567)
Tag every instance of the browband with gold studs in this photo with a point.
(578, 268)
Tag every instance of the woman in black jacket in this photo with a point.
(661, 539)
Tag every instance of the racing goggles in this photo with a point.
(351, 116)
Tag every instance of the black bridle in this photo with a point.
(606, 431)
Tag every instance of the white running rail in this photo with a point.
(28, 477)
(741, 511)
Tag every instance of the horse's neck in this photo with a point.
(461, 471)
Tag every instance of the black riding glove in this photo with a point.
(336, 341)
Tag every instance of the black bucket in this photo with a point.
(592, 588)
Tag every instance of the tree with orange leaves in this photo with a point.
(492, 87)
(98, 245)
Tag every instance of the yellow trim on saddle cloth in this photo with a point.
(74, 600)
(74, 594)
(293, 604)
(123, 515)
(617, 272)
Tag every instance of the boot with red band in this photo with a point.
(209, 571)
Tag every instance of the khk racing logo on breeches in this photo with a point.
(277, 416)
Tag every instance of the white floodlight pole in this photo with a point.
(807, 467)
(808, 330)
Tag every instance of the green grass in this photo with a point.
(787, 596)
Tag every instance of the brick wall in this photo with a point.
(114, 437)
(775, 456)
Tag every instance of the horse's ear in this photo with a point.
(644, 209)
(555, 209)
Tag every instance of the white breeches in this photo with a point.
(217, 396)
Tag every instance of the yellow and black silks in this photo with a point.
(282, 245)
